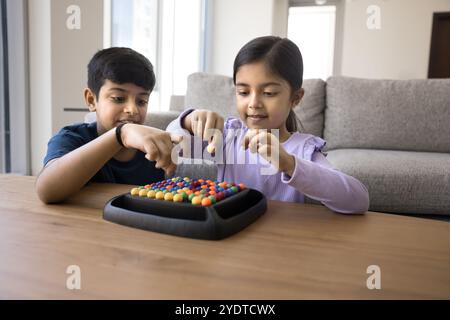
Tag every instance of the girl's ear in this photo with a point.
(297, 96)
(89, 98)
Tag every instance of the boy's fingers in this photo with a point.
(164, 148)
(170, 170)
(176, 138)
(151, 151)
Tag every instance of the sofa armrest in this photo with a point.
(161, 119)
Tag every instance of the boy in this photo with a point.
(117, 148)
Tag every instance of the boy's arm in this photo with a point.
(68, 174)
(64, 176)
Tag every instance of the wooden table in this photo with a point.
(294, 251)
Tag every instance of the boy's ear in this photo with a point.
(297, 96)
(90, 100)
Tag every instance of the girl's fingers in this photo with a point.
(253, 144)
(248, 137)
(210, 124)
(217, 135)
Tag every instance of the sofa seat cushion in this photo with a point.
(399, 181)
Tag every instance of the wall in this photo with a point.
(58, 60)
(40, 80)
(400, 49)
(235, 22)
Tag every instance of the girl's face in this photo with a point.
(118, 103)
(264, 100)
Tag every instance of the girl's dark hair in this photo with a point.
(120, 65)
(282, 57)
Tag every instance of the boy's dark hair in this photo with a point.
(282, 57)
(120, 65)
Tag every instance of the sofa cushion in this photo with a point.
(310, 110)
(399, 181)
(211, 91)
(388, 114)
(160, 119)
(217, 93)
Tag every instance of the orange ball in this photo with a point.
(206, 202)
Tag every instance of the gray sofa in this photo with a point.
(393, 135)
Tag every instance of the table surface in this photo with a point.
(294, 251)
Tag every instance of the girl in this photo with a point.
(268, 74)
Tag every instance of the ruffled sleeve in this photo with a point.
(312, 145)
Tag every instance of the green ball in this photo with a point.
(213, 199)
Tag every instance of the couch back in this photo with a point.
(217, 93)
(353, 113)
(388, 114)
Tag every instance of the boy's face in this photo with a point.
(118, 103)
(264, 100)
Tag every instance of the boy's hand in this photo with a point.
(268, 146)
(205, 124)
(156, 144)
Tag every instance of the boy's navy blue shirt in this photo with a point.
(137, 171)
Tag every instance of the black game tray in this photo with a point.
(184, 219)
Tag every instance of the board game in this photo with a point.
(194, 208)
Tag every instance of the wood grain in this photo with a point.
(294, 251)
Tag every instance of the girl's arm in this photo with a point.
(320, 181)
(316, 178)
(203, 126)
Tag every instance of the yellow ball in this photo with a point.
(210, 148)
(151, 194)
(135, 191)
(196, 200)
(178, 198)
(159, 195)
(168, 196)
(143, 192)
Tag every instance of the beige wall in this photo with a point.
(40, 80)
(58, 59)
(235, 22)
(400, 49)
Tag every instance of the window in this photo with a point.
(169, 33)
(312, 28)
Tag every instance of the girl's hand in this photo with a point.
(205, 124)
(156, 144)
(268, 146)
